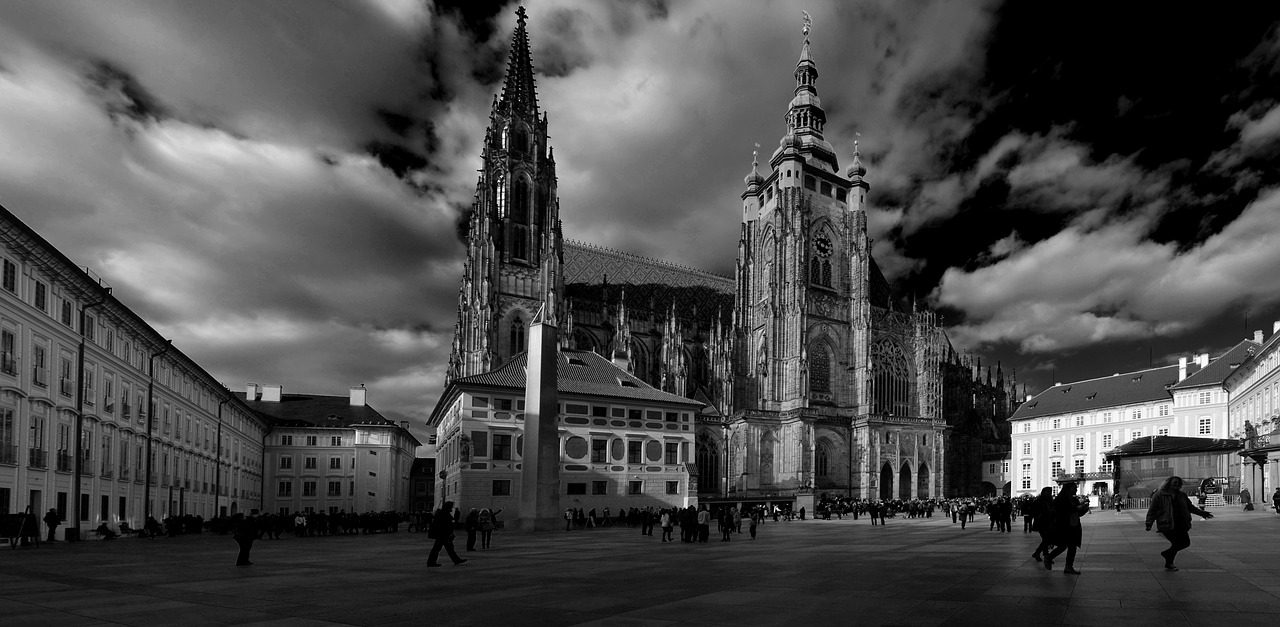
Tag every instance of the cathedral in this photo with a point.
(814, 378)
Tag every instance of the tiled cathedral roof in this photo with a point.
(650, 284)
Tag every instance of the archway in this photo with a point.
(922, 482)
(886, 482)
(904, 482)
(988, 488)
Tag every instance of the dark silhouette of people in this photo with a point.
(52, 519)
(106, 532)
(441, 530)
(1171, 512)
(246, 531)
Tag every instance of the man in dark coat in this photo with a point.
(52, 519)
(246, 530)
(441, 530)
(1067, 534)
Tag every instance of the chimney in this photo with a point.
(1182, 368)
(357, 396)
(251, 391)
(1257, 336)
(271, 392)
(620, 360)
(404, 424)
(1275, 328)
(1202, 360)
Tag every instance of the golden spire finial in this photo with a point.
(808, 23)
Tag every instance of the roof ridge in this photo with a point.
(1110, 376)
(624, 253)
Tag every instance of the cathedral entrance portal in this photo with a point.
(904, 482)
(886, 482)
(922, 482)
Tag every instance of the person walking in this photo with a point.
(756, 515)
(246, 531)
(1171, 511)
(441, 530)
(1067, 532)
(704, 523)
(1275, 501)
(52, 519)
(488, 522)
(472, 525)
(1042, 513)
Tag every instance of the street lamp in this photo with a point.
(151, 385)
(80, 452)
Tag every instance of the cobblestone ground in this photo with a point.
(838, 572)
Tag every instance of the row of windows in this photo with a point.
(285, 488)
(482, 404)
(310, 462)
(598, 488)
(810, 183)
(310, 440)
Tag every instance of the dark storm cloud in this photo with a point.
(122, 95)
(282, 185)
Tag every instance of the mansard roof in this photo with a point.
(581, 373)
(1219, 369)
(316, 410)
(1117, 390)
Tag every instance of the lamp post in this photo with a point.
(151, 385)
(725, 425)
(73, 532)
(217, 463)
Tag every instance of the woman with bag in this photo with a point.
(488, 522)
(1067, 533)
(1171, 511)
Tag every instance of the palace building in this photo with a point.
(101, 417)
(812, 375)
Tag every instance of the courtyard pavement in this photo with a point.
(839, 572)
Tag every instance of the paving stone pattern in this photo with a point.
(838, 572)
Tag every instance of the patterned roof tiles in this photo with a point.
(583, 373)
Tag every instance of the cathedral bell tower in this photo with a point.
(803, 233)
(514, 242)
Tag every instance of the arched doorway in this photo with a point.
(886, 482)
(904, 482)
(922, 482)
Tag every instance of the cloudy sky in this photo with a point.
(276, 184)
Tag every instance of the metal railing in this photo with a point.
(8, 454)
(9, 365)
(63, 459)
(37, 458)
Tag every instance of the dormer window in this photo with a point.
(576, 361)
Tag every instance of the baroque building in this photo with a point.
(813, 375)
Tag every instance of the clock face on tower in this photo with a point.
(823, 246)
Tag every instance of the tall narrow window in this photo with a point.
(517, 335)
(820, 369)
(826, 272)
(520, 220)
(815, 271)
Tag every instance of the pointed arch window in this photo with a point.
(820, 369)
(520, 220)
(517, 335)
(519, 140)
(815, 271)
(826, 272)
(823, 459)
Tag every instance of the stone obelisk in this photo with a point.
(540, 473)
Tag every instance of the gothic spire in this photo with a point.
(519, 95)
(805, 117)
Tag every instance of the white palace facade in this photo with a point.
(1064, 433)
(101, 417)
